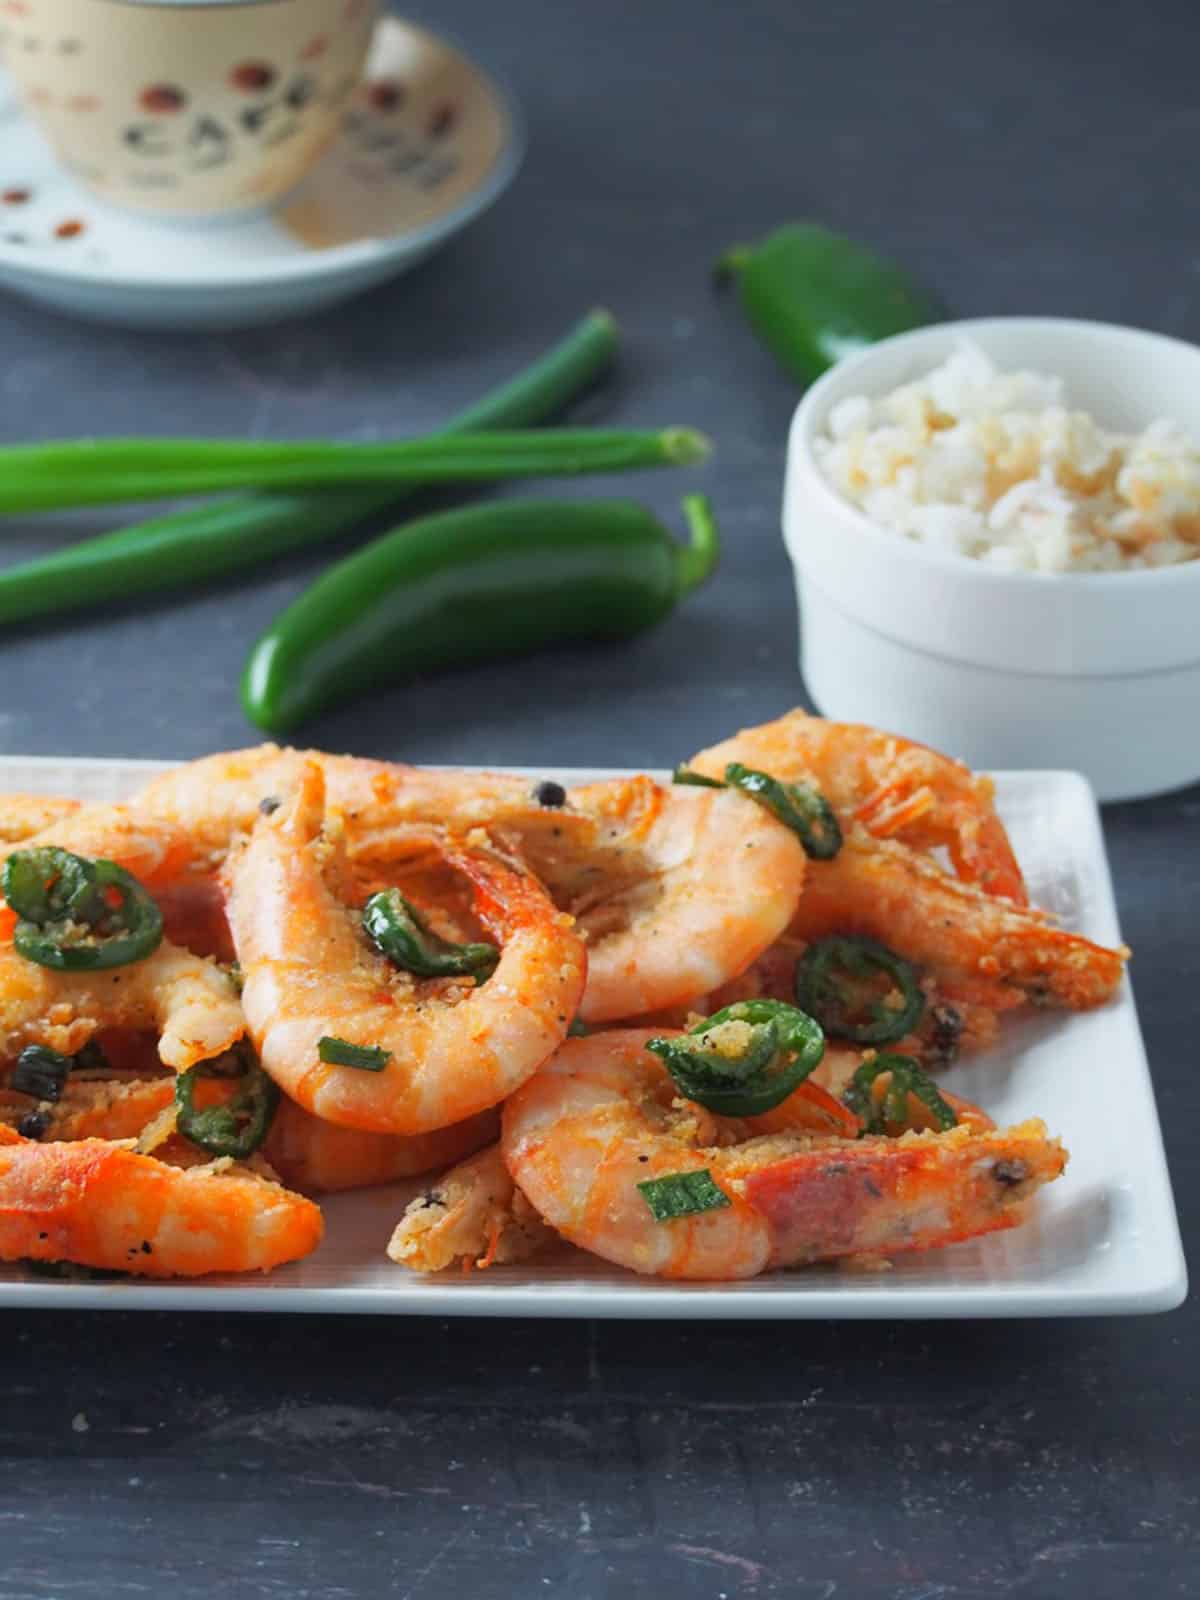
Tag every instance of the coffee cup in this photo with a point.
(187, 108)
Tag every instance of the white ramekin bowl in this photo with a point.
(1095, 671)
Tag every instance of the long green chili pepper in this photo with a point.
(749, 1056)
(814, 296)
(472, 585)
(236, 1127)
(906, 1078)
(798, 806)
(103, 471)
(398, 931)
(78, 915)
(829, 982)
(211, 541)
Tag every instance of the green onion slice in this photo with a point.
(398, 931)
(341, 1053)
(77, 915)
(238, 1126)
(745, 1058)
(799, 806)
(41, 1072)
(906, 1078)
(838, 981)
(682, 1194)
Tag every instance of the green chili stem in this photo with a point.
(699, 556)
(97, 472)
(211, 541)
(732, 262)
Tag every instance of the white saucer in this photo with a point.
(429, 142)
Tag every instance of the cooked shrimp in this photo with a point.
(221, 796)
(319, 1158)
(104, 1109)
(102, 1205)
(473, 1216)
(188, 1001)
(23, 815)
(683, 890)
(216, 801)
(452, 1049)
(978, 948)
(602, 1117)
(893, 787)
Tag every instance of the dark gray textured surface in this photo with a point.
(1023, 157)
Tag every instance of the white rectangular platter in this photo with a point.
(1102, 1240)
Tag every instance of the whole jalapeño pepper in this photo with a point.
(473, 585)
(814, 296)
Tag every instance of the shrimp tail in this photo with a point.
(474, 1216)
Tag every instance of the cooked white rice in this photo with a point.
(993, 465)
